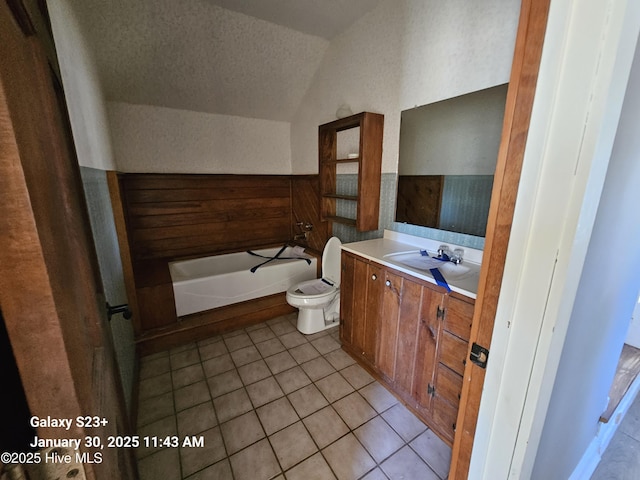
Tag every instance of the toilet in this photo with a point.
(318, 301)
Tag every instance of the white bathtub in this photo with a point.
(210, 282)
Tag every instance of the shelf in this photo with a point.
(343, 220)
(341, 197)
(343, 160)
(368, 165)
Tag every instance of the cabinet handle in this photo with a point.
(432, 333)
(388, 283)
(374, 277)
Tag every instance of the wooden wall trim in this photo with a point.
(520, 96)
(125, 254)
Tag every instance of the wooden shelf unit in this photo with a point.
(369, 165)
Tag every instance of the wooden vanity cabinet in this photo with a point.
(360, 305)
(411, 333)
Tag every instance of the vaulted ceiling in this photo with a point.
(251, 58)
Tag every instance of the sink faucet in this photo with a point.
(444, 252)
(454, 256)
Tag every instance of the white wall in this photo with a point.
(404, 54)
(165, 140)
(87, 114)
(604, 303)
(84, 96)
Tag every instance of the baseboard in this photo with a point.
(213, 322)
(593, 454)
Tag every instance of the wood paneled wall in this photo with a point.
(171, 216)
(305, 205)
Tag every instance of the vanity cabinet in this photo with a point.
(368, 163)
(411, 333)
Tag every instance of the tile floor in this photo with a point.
(273, 403)
(621, 459)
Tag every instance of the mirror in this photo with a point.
(448, 153)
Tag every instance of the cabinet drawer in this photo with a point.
(453, 352)
(458, 318)
(448, 385)
(445, 416)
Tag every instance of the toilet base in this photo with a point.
(311, 320)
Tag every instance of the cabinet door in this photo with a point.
(346, 298)
(387, 343)
(428, 336)
(360, 303)
(407, 347)
(375, 285)
(359, 314)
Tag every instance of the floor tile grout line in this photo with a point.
(218, 424)
(197, 346)
(175, 416)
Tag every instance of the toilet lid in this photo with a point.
(331, 261)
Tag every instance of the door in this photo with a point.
(50, 292)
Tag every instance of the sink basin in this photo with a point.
(416, 260)
(452, 270)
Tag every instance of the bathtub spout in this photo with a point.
(301, 236)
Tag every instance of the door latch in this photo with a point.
(479, 355)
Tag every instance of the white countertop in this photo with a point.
(382, 250)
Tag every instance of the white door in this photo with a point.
(633, 336)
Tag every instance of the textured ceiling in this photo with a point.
(323, 18)
(256, 61)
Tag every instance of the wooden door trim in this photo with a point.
(519, 105)
(117, 205)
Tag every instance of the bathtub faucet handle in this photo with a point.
(305, 226)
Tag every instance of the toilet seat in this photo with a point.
(324, 290)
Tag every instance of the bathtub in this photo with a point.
(211, 282)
